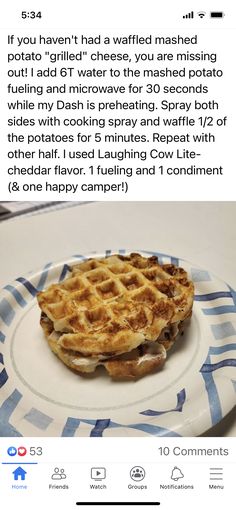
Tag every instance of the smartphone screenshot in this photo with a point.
(118, 245)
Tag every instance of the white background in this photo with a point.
(126, 18)
(202, 234)
(119, 456)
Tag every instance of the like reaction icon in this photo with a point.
(12, 451)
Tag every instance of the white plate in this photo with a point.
(39, 396)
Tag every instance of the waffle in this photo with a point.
(142, 360)
(111, 311)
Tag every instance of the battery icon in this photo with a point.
(217, 14)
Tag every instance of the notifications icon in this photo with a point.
(176, 474)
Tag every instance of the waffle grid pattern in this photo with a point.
(112, 294)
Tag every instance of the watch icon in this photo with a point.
(98, 473)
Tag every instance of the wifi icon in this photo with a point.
(201, 14)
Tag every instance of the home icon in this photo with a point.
(19, 473)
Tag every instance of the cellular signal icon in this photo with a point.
(189, 15)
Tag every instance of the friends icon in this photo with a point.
(59, 474)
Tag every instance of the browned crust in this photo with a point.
(116, 366)
(108, 307)
(134, 369)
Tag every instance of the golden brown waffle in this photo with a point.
(111, 306)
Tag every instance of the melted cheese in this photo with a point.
(88, 362)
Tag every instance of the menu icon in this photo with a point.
(216, 473)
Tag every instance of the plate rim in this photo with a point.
(97, 254)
